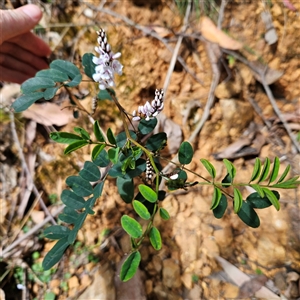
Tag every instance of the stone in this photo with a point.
(73, 282)
(195, 293)
(102, 286)
(171, 274)
(270, 253)
(186, 279)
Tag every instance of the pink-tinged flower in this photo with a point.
(150, 110)
(106, 64)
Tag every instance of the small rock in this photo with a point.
(54, 283)
(195, 293)
(171, 274)
(149, 286)
(270, 253)
(85, 280)
(157, 264)
(186, 279)
(210, 247)
(73, 282)
(227, 89)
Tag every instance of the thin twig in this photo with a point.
(221, 13)
(25, 167)
(37, 227)
(176, 49)
(263, 81)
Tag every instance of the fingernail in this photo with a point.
(32, 11)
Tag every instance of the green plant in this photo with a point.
(133, 158)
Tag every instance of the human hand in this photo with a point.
(22, 53)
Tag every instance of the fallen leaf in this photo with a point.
(173, 131)
(213, 34)
(239, 278)
(48, 114)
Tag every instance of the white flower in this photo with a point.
(106, 64)
(150, 110)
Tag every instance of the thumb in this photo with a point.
(18, 21)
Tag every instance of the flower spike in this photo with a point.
(150, 110)
(106, 64)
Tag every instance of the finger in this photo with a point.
(18, 21)
(6, 74)
(22, 55)
(12, 63)
(32, 43)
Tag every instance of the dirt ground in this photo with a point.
(187, 267)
